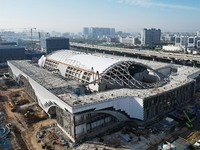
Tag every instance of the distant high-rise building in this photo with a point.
(177, 41)
(182, 41)
(11, 53)
(186, 41)
(168, 38)
(126, 40)
(56, 43)
(113, 40)
(66, 34)
(129, 40)
(198, 44)
(96, 32)
(172, 39)
(86, 31)
(119, 33)
(191, 41)
(136, 41)
(150, 37)
(47, 35)
(0, 39)
(198, 33)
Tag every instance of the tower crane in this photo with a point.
(31, 30)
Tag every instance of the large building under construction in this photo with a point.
(90, 94)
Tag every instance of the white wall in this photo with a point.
(133, 106)
(62, 69)
(42, 94)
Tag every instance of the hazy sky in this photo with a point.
(125, 15)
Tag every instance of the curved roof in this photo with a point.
(113, 71)
(83, 60)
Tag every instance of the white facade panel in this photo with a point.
(191, 41)
(131, 105)
(97, 63)
(43, 95)
(82, 60)
(62, 68)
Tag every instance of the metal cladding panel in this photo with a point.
(82, 60)
(97, 63)
(11, 53)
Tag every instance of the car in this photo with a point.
(197, 143)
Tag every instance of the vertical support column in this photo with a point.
(172, 60)
(194, 63)
(154, 58)
(73, 129)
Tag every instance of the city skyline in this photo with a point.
(125, 15)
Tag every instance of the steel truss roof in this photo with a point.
(118, 73)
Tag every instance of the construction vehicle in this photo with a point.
(12, 106)
(189, 122)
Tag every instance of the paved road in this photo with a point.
(167, 55)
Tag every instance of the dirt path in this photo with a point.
(28, 133)
(36, 128)
(14, 118)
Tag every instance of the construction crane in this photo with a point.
(14, 29)
(32, 38)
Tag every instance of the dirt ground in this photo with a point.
(23, 130)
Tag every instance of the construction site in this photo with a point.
(24, 125)
(22, 122)
(93, 106)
